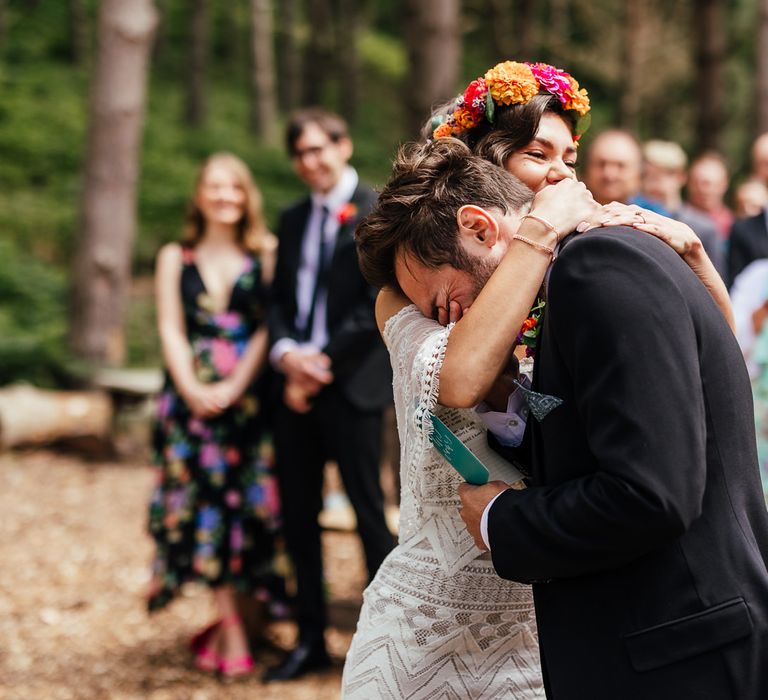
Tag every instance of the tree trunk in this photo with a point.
(78, 29)
(631, 75)
(101, 273)
(559, 32)
(195, 107)
(502, 36)
(761, 74)
(288, 65)
(319, 56)
(431, 30)
(525, 29)
(709, 22)
(349, 26)
(264, 108)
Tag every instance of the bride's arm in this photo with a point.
(682, 239)
(483, 338)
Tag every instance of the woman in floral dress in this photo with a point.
(214, 510)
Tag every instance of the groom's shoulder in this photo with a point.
(599, 246)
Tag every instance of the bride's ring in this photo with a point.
(639, 214)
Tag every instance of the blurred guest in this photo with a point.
(760, 158)
(613, 170)
(335, 372)
(663, 180)
(214, 511)
(749, 297)
(749, 198)
(707, 185)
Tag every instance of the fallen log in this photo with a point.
(30, 416)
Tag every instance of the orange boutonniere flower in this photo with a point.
(346, 213)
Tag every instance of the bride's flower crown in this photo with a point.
(511, 83)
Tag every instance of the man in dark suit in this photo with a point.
(748, 242)
(644, 531)
(335, 377)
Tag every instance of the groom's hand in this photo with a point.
(474, 499)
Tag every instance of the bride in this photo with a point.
(436, 620)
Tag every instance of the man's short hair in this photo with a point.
(665, 154)
(416, 210)
(332, 124)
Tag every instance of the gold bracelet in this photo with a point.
(539, 246)
(544, 223)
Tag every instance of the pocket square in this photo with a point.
(540, 405)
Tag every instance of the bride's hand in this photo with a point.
(565, 205)
(677, 235)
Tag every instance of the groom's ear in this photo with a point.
(477, 226)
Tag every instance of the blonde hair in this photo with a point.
(252, 228)
(665, 154)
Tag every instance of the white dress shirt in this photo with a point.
(308, 267)
(508, 429)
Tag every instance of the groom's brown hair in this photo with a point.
(416, 210)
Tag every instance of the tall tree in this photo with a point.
(288, 65)
(632, 57)
(101, 272)
(348, 28)
(196, 103)
(525, 29)
(264, 106)
(710, 30)
(558, 31)
(431, 30)
(761, 74)
(502, 36)
(319, 55)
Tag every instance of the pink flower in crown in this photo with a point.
(553, 80)
(223, 357)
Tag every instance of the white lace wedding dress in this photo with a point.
(437, 622)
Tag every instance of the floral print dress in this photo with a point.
(214, 510)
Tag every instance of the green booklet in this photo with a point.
(460, 437)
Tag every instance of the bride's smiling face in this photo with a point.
(549, 158)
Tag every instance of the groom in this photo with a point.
(644, 533)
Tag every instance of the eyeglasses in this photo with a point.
(312, 151)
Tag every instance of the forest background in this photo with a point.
(223, 75)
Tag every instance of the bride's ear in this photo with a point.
(477, 226)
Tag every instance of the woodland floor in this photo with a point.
(73, 568)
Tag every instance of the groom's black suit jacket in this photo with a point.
(645, 533)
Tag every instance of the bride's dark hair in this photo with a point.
(513, 127)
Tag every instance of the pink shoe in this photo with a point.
(206, 658)
(236, 668)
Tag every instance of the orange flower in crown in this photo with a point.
(510, 83)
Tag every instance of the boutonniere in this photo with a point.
(346, 213)
(529, 332)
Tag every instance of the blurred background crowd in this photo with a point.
(128, 128)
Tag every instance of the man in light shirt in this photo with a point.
(334, 372)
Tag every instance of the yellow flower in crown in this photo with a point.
(511, 83)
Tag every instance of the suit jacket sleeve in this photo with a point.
(626, 337)
(355, 335)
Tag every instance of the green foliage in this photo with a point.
(32, 319)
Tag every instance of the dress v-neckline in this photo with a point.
(245, 267)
